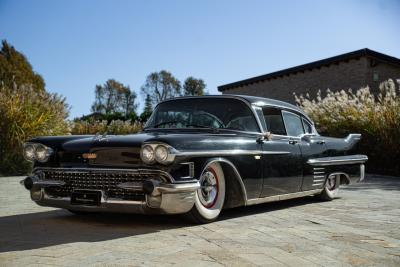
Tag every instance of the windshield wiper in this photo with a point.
(202, 126)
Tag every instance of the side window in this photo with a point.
(307, 126)
(293, 124)
(274, 121)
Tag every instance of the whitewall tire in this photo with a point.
(209, 199)
(331, 188)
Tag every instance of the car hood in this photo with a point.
(105, 151)
(124, 150)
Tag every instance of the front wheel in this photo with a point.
(209, 199)
(331, 188)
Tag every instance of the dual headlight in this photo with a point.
(161, 153)
(39, 152)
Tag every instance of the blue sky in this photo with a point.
(75, 45)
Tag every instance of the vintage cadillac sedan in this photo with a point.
(195, 156)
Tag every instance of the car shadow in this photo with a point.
(57, 227)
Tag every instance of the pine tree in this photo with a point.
(148, 109)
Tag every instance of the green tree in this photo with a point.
(148, 109)
(193, 86)
(15, 70)
(114, 97)
(161, 86)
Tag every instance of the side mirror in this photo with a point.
(266, 136)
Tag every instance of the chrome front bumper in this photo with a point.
(171, 198)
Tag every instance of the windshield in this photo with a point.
(216, 113)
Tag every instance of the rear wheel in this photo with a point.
(209, 199)
(331, 188)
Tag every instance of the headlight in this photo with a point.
(42, 153)
(39, 152)
(29, 152)
(147, 154)
(161, 153)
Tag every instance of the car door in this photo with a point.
(282, 160)
(312, 146)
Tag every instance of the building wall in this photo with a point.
(384, 70)
(344, 75)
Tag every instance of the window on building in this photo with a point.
(375, 76)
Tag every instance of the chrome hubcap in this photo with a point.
(208, 191)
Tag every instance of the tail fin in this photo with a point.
(352, 139)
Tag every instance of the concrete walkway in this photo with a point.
(361, 228)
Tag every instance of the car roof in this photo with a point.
(252, 100)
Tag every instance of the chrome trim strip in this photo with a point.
(328, 161)
(282, 197)
(48, 183)
(318, 184)
(352, 137)
(230, 152)
(134, 186)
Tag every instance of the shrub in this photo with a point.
(376, 118)
(25, 113)
(114, 127)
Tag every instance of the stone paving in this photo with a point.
(361, 228)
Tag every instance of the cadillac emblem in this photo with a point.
(89, 155)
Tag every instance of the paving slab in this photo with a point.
(360, 228)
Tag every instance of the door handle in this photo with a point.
(321, 142)
(293, 142)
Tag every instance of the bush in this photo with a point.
(114, 127)
(376, 118)
(25, 113)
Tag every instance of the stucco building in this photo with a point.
(351, 70)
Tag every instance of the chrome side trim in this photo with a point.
(230, 152)
(352, 138)
(339, 160)
(282, 197)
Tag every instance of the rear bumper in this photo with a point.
(171, 198)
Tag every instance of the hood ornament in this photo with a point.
(100, 138)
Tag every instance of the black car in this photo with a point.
(195, 156)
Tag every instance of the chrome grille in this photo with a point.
(98, 179)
